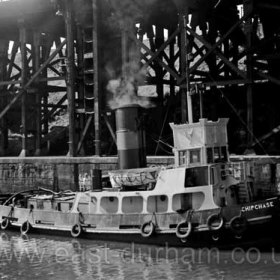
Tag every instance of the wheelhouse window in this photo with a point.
(189, 157)
(217, 154)
(182, 157)
(197, 176)
(210, 158)
(224, 154)
(132, 204)
(195, 156)
(157, 203)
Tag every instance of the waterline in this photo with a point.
(45, 257)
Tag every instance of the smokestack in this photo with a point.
(130, 137)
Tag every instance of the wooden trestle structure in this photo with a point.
(77, 46)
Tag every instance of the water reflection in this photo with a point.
(45, 257)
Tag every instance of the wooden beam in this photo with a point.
(12, 59)
(47, 42)
(172, 63)
(51, 112)
(164, 65)
(80, 70)
(52, 79)
(216, 45)
(33, 78)
(36, 66)
(213, 49)
(217, 83)
(159, 42)
(84, 133)
(110, 128)
(186, 101)
(248, 8)
(268, 77)
(6, 83)
(4, 142)
(52, 89)
(70, 81)
(62, 56)
(97, 101)
(55, 106)
(14, 65)
(54, 70)
(163, 47)
(24, 69)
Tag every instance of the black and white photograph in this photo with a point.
(139, 139)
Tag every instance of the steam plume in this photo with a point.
(124, 89)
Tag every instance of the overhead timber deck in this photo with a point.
(37, 15)
(224, 59)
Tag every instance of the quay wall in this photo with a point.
(66, 173)
(57, 173)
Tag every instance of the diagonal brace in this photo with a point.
(164, 65)
(32, 79)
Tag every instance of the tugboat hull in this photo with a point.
(228, 227)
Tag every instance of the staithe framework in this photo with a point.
(187, 54)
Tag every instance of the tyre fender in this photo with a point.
(25, 227)
(76, 230)
(216, 236)
(238, 225)
(147, 229)
(215, 222)
(5, 224)
(183, 229)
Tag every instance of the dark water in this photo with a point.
(45, 257)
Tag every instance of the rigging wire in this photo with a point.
(164, 143)
(240, 119)
(163, 125)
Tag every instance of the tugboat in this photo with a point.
(203, 200)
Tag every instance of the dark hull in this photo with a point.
(262, 228)
(227, 242)
(263, 236)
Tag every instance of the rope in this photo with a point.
(81, 217)
(217, 4)
(31, 213)
(166, 144)
(11, 211)
(189, 215)
(155, 218)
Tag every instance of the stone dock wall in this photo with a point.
(65, 173)
(57, 173)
